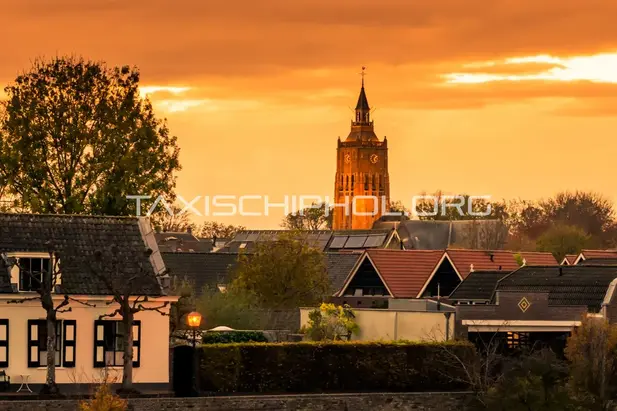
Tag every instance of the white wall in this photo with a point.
(376, 324)
(154, 361)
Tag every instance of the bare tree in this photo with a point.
(176, 221)
(130, 281)
(45, 281)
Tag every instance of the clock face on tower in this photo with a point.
(347, 158)
(374, 158)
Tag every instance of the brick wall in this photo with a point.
(324, 402)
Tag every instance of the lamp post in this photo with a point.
(194, 321)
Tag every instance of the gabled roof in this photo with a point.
(201, 269)
(569, 259)
(77, 238)
(585, 254)
(340, 266)
(495, 260)
(405, 271)
(478, 286)
(565, 285)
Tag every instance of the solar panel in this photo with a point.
(375, 240)
(252, 236)
(240, 236)
(355, 241)
(338, 241)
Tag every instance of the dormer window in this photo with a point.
(31, 271)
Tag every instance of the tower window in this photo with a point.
(366, 182)
(374, 182)
(352, 182)
(346, 182)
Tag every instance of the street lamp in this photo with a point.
(194, 321)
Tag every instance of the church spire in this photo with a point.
(363, 111)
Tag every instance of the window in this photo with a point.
(4, 343)
(65, 343)
(517, 340)
(31, 272)
(109, 343)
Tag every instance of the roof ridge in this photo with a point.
(70, 215)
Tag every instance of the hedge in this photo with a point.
(332, 367)
(227, 337)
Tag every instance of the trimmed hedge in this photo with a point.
(334, 366)
(228, 337)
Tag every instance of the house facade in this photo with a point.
(89, 339)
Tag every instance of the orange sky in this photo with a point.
(510, 98)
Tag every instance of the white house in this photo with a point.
(88, 345)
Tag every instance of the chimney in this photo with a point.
(499, 268)
(213, 241)
(492, 257)
(560, 270)
(189, 230)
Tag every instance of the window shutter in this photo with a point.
(33, 344)
(136, 343)
(69, 339)
(99, 343)
(4, 343)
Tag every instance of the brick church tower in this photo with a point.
(361, 171)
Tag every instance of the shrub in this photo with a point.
(333, 366)
(228, 337)
(104, 400)
(331, 322)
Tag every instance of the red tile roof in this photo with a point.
(599, 253)
(405, 271)
(501, 260)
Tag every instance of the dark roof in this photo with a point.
(495, 260)
(339, 266)
(5, 278)
(478, 286)
(201, 269)
(362, 101)
(323, 240)
(435, 235)
(76, 239)
(566, 285)
(183, 242)
(598, 261)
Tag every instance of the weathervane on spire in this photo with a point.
(363, 74)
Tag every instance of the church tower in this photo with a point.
(361, 171)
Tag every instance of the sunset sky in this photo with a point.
(508, 98)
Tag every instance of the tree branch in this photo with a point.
(116, 312)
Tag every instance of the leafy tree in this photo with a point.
(211, 229)
(128, 279)
(592, 212)
(592, 352)
(176, 222)
(561, 239)
(76, 138)
(232, 308)
(316, 217)
(283, 273)
(331, 322)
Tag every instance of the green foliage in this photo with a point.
(428, 206)
(77, 138)
(104, 400)
(316, 217)
(331, 322)
(531, 382)
(333, 366)
(284, 273)
(229, 337)
(592, 352)
(561, 239)
(519, 259)
(234, 309)
(176, 222)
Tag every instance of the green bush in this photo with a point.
(229, 337)
(332, 366)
